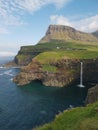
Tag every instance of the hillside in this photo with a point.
(57, 37)
(60, 33)
(83, 118)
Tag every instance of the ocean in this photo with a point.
(29, 106)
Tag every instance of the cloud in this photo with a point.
(7, 53)
(3, 30)
(11, 11)
(89, 24)
(59, 19)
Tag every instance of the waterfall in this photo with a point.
(81, 76)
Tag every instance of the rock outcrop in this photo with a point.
(68, 73)
(61, 33)
(92, 95)
(25, 55)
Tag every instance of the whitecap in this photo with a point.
(1, 67)
(71, 106)
(8, 72)
(11, 79)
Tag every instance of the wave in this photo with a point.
(11, 79)
(1, 67)
(8, 72)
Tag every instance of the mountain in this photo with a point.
(95, 33)
(57, 37)
(55, 60)
(65, 33)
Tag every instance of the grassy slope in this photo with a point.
(83, 118)
(48, 57)
(50, 54)
(52, 46)
(69, 50)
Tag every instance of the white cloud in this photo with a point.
(89, 24)
(11, 11)
(3, 30)
(59, 19)
(6, 53)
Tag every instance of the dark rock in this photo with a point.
(92, 95)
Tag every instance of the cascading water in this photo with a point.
(81, 76)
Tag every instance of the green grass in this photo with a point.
(63, 46)
(48, 53)
(49, 68)
(22, 57)
(54, 56)
(83, 118)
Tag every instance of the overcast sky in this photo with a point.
(24, 22)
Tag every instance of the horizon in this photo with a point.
(25, 22)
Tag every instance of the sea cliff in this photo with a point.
(67, 72)
(55, 60)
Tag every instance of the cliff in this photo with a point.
(65, 33)
(61, 73)
(57, 37)
(57, 61)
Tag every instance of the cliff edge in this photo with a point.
(55, 60)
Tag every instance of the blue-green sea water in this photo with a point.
(23, 108)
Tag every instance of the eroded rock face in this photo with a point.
(92, 95)
(65, 33)
(68, 72)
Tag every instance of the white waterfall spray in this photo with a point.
(81, 76)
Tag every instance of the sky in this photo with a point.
(25, 22)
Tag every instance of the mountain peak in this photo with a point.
(58, 28)
(64, 33)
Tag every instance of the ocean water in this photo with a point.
(24, 108)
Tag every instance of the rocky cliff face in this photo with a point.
(25, 55)
(66, 33)
(92, 95)
(68, 72)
